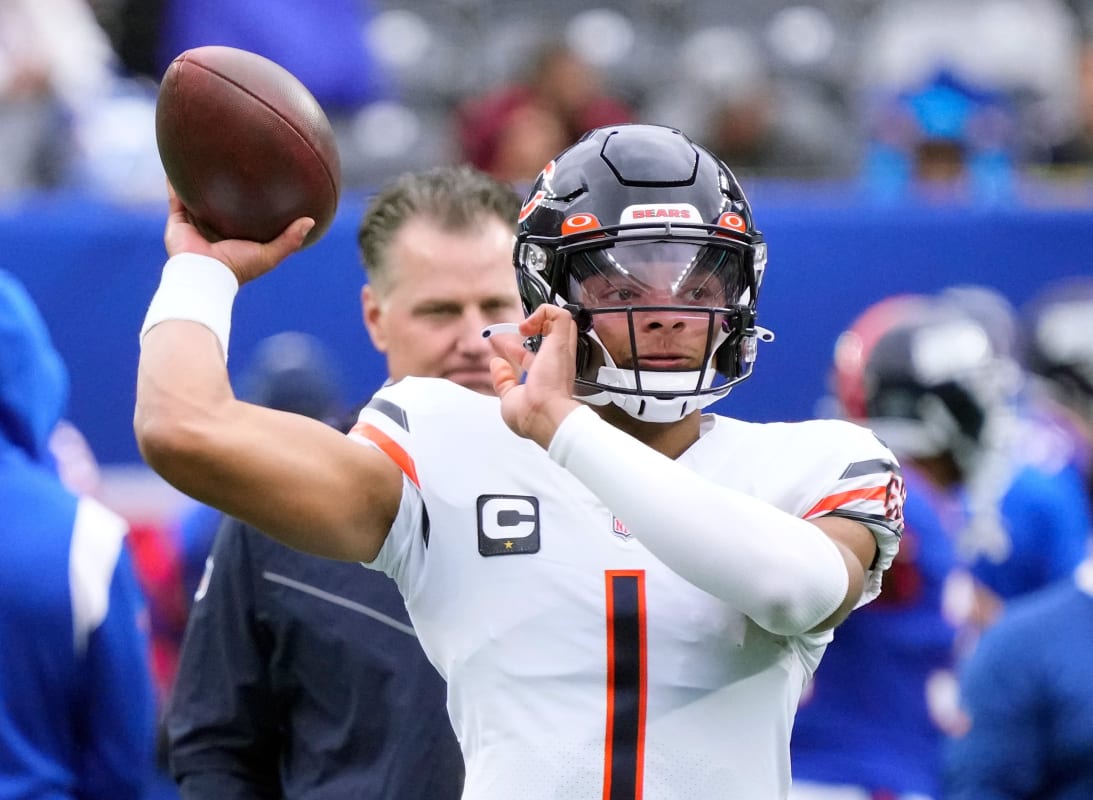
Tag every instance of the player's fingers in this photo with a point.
(290, 240)
(535, 321)
(557, 327)
(509, 346)
(503, 375)
(174, 205)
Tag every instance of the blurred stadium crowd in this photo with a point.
(871, 90)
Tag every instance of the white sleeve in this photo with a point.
(779, 570)
(97, 539)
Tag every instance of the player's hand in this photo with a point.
(536, 407)
(247, 260)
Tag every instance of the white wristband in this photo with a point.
(195, 288)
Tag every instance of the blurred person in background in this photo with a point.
(56, 64)
(1069, 151)
(1057, 351)
(77, 710)
(1025, 514)
(958, 97)
(994, 519)
(945, 139)
(325, 687)
(1025, 690)
(512, 131)
(1026, 517)
(1027, 509)
(857, 739)
(1074, 152)
(764, 124)
(1027, 698)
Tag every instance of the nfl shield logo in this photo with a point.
(618, 528)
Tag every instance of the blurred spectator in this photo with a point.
(56, 64)
(77, 711)
(1075, 149)
(1028, 697)
(883, 737)
(321, 42)
(945, 139)
(957, 96)
(726, 91)
(512, 131)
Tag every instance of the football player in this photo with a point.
(625, 595)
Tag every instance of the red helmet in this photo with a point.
(856, 343)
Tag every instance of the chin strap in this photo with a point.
(648, 407)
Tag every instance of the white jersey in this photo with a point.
(579, 667)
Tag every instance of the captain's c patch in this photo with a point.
(508, 524)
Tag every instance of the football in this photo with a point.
(246, 146)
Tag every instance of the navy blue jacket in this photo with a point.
(1028, 692)
(300, 677)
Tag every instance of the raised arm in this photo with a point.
(292, 477)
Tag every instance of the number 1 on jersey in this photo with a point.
(624, 746)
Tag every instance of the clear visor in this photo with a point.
(636, 274)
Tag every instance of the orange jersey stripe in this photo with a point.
(389, 446)
(835, 500)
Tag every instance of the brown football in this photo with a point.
(246, 146)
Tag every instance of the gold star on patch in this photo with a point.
(508, 545)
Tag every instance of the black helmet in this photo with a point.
(634, 221)
(934, 383)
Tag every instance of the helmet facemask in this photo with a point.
(666, 315)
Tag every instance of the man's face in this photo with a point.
(668, 339)
(445, 288)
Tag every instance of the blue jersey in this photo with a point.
(1030, 516)
(867, 718)
(1029, 698)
